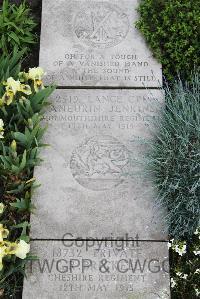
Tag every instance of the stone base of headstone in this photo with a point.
(98, 270)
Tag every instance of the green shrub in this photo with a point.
(174, 158)
(16, 27)
(10, 66)
(171, 29)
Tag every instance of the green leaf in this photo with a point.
(21, 138)
(14, 37)
(23, 162)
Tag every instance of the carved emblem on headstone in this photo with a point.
(101, 25)
(100, 163)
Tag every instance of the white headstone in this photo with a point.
(95, 43)
(92, 182)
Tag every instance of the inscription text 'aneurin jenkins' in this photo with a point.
(92, 173)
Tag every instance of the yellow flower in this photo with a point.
(3, 233)
(25, 89)
(2, 254)
(1, 128)
(1, 207)
(36, 73)
(19, 249)
(12, 85)
(7, 97)
(38, 85)
(22, 249)
(10, 247)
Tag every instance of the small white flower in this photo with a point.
(180, 249)
(197, 271)
(180, 274)
(196, 252)
(173, 283)
(197, 291)
(197, 231)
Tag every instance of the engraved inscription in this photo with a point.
(127, 269)
(101, 25)
(95, 164)
(95, 43)
(100, 163)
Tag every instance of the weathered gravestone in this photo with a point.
(93, 185)
(91, 179)
(93, 189)
(95, 43)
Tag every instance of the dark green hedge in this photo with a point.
(172, 30)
